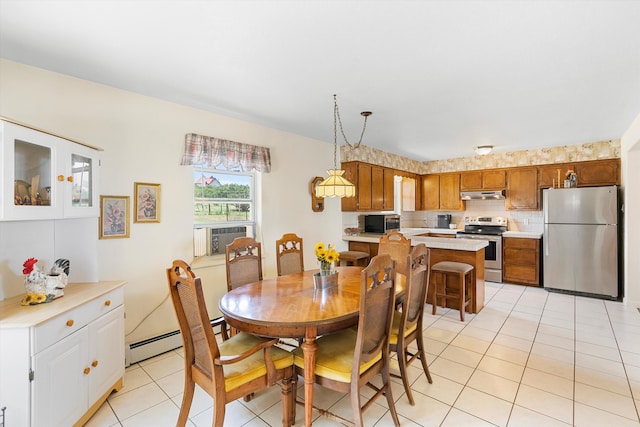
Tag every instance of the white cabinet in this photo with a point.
(66, 356)
(45, 176)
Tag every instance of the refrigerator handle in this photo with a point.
(546, 240)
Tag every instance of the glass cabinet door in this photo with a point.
(32, 174)
(82, 181)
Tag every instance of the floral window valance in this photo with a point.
(206, 151)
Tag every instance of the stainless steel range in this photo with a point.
(489, 229)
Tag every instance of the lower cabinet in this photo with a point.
(65, 365)
(370, 248)
(521, 261)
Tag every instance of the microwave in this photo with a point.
(381, 224)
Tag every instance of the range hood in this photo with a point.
(482, 195)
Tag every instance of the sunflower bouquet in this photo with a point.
(327, 255)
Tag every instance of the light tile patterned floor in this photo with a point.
(529, 358)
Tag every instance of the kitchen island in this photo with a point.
(441, 249)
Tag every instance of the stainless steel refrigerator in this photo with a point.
(580, 242)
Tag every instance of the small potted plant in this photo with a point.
(328, 256)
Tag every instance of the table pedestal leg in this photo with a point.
(309, 347)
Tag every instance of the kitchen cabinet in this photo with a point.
(598, 173)
(522, 188)
(441, 192)
(489, 179)
(521, 261)
(374, 187)
(591, 173)
(45, 176)
(548, 174)
(60, 360)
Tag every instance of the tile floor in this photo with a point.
(529, 358)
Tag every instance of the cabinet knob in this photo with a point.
(70, 322)
(70, 178)
(86, 371)
(60, 177)
(107, 302)
(94, 363)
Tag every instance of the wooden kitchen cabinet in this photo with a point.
(548, 174)
(489, 179)
(59, 361)
(521, 261)
(591, 173)
(522, 188)
(441, 192)
(598, 173)
(374, 187)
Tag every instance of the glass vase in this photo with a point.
(325, 268)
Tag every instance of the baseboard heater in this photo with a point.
(138, 351)
(141, 350)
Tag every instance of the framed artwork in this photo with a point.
(147, 202)
(114, 217)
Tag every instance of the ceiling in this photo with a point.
(439, 76)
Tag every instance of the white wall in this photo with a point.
(630, 158)
(143, 139)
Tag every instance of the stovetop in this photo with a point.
(493, 226)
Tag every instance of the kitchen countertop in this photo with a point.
(522, 234)
(430, 242)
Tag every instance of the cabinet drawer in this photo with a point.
(67, 323)
(520, 274)
(520, 256)
(516, 242)
(359, 246)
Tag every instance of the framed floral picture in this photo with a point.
(114, 217)
(147, 202)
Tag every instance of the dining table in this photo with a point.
(290, 306)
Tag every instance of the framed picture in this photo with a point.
(114, 217)
(147, 202)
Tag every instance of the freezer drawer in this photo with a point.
(581, 258)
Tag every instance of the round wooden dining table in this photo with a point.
(290, 307)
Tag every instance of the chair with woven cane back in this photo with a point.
(289, 254)
(243, 262)
(349, 359)
(234, 368)
(407, 323)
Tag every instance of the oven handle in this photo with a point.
(491, 238)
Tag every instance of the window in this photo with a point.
(223, 208)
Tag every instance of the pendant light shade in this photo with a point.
(335, 185)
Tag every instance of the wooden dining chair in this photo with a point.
(397, 246)
(243, 262)
(407, 325)
(348, 360)
(237, 367)
(289, 254)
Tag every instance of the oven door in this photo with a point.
(492, 255)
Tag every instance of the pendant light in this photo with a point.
(335, 185)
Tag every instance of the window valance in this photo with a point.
(207, 151)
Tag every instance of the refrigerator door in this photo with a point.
(581, 258)
(589, 205)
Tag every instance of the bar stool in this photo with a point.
(354, 258)
(445, 269)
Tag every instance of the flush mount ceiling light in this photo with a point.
(335, 185)
(482, 150)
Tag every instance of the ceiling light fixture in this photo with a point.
(335, 185)
(482, 150)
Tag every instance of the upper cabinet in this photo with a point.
(522, 188)
(45, 176)
(598, 173)
(591, 173)
(490, 179)
(441, 192)
(374, 187)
